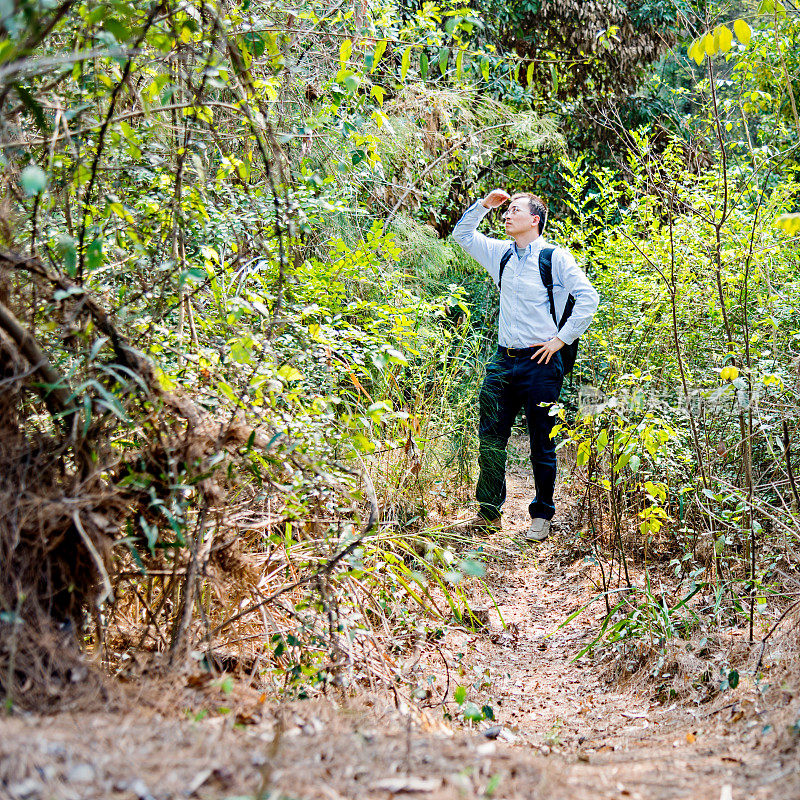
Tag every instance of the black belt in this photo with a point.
(517, 352)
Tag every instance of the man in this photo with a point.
(526, 371)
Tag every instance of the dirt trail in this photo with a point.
(602, 738)
(565, 732)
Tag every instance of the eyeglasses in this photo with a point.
(513, 210)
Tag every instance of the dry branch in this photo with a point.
(56, 392)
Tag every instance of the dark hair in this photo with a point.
(536, 206)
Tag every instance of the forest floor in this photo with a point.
(563, 729)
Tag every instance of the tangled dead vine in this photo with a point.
(87, 525)
(67, 494)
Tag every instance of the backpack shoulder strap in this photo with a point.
(503, 262)
(546, 273)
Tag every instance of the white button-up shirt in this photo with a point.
(525, 318)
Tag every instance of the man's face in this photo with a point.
(518, 217)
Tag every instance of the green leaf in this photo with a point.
(471, 712)
(742, 31)
(380, 48)
(117, 30)
(788, 223)
(460, 694)
(733, 679)
(363, 444)
(255, 43)
(622, 461)
(7, 50)
(160, 40)
(194, 274)
(33, 180)
(529, 74)
(554, 77)
(241, 352)
(602, 440)
(98, 13)
(405, 63)
(444, 55)
(97, 346)
(423, 65)
(378, 92)
(63, 294)
(94, 254)
(485, 68)
(460, 65)
(473, 568)
(150, 532)
(66, 247)
(132, 139)
(709, 45)
(118, 209)
(289, 373)
(345, 50)
(634, 463)
(488, 712)
(377, 410)
(396, 357)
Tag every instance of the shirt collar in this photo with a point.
(533, 247)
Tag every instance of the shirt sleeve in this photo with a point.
(574, 280)
(485, 250)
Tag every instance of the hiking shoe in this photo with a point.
(538, 530)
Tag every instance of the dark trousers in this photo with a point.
(512, 383)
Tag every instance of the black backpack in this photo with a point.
(569, 351)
